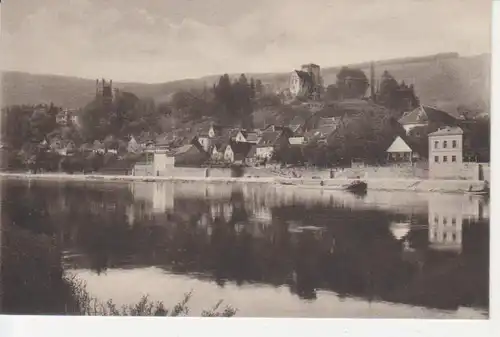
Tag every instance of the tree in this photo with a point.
(352, 83)
(332, 92)
(259, 89)
(252, 88)
(396, 96)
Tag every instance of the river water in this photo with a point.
(267, 250)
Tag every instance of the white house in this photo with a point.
(297, 140)
(229, 154)
(399, 151)
(445, 152)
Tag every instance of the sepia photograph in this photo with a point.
(237, 159)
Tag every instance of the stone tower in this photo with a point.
(314, 71)
(104, 89)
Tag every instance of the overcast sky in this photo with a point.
(163, 40)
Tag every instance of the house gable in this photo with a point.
(399, 146)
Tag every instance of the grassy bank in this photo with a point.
(33, 282)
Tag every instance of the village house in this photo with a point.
(190, 155)
(62, 147)
(98, 147)
(207, 137)
(236, 152)
(320, 134)
(445, 151)
(133, 146)
(244, 136)
(218, 149)
(66, 117)
(425, 116)
(269, 142)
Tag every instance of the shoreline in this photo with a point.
(377, 184)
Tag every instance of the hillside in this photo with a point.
(445, 82)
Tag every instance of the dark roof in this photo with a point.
(252, 151)
(295, 128)
(297, 120)
(252, 136)
(425, 114)
(269, 138)
(219, 143)
(323, 131)
(240, 149)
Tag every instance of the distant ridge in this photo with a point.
(445, 80)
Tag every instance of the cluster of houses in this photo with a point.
(219, 144)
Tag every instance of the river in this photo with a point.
(267, 250)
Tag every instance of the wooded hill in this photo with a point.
(445, 81)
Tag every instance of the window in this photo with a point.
(436, 144)
(453, 221)
(436, 159)
(454, 144)
(445, 159)
(445, 220)
(436, 219)
(445, 236)
(453, 159)
(454, 237)
(445, 144)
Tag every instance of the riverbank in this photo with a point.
(381, 184)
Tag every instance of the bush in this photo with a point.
(33, 282)
(88, 306)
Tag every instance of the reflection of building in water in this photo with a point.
(263, 214)
(163, 197)
(221, 210)
(149, 200)
(158, 197)
(400, 229)
(228, 210)
(448, 214)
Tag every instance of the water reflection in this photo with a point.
(402, 248)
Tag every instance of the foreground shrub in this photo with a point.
(33, 282)
(87, 305)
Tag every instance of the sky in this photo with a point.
(162, 40)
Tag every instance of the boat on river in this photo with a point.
(485, 190)
(356, 186)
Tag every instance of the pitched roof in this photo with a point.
(323, 131)
(183, 149)
(398, 146)
(269, 138)
(253, 151)
(164, 139)
(240, 149)
(297, 120)
(424, 114)
(448, 131)
(252, 137)
(295, 128)
(219, 143)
